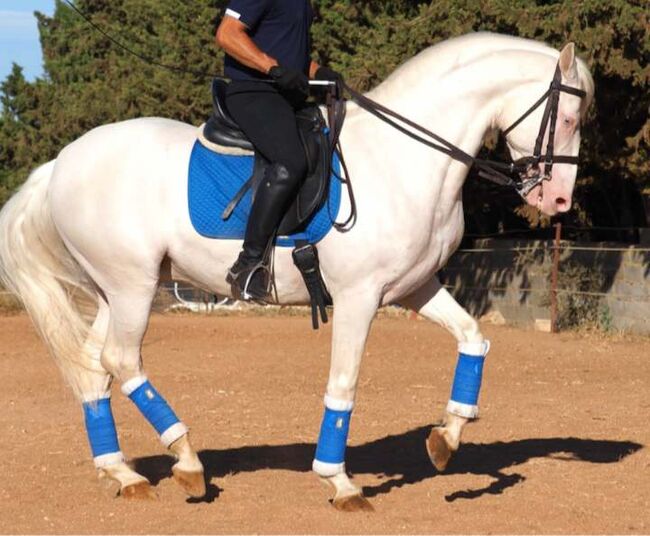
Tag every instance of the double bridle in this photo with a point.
(528, 174)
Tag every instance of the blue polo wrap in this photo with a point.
(333, 436)
(100, 426)
(467, 379)
(154, 407)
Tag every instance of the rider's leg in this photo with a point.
(269, 120)
(435, 303)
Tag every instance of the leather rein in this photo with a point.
(528, 174)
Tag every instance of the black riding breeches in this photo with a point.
(269, 121)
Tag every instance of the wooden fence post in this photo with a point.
(554, 276)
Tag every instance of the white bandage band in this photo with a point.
(474, 348)
(462, 410)
(327, 469)
(131, 385)
(174, 432)
(337, 404)
(108, 459)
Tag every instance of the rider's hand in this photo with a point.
(290, 80)
(328, 75)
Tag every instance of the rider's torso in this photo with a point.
(280, 28)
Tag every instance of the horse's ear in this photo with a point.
(568, 64)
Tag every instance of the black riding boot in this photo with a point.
(249, 276)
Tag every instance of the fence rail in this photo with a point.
(520, 278)
(508, 275)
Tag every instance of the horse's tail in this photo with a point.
(56, 292)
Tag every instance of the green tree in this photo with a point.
(89, 81)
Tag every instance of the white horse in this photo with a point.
(108, 220)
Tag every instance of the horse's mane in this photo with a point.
(457, 52)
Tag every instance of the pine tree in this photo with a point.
(89, 81)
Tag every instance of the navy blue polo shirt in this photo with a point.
(280, 28)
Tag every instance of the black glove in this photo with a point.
(328, 75)
(290, 80)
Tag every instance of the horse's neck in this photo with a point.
(460, 113)
(458, 103)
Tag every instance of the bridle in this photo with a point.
(528, 166)
(528, 174)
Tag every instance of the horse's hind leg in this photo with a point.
(100, 425)
(129, 317)
(435, 303)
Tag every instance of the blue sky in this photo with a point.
(19, 35)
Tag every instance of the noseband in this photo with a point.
(526, 170)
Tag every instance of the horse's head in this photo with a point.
(554, 174)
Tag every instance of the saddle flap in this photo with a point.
(316, 185)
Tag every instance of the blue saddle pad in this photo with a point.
(215, 178)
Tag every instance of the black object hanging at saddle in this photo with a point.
(305, 257)
(223, 130)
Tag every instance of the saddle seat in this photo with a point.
(221, 129)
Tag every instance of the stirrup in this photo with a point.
(243, 292)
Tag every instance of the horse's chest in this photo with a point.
(433, 254)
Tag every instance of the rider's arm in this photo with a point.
(232, 36)
(313, 68)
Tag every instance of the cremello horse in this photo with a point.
(108, 219)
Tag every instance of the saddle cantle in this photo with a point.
(222, 130)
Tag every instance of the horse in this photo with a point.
(98, 228)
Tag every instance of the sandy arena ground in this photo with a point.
(561, 446)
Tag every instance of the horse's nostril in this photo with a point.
(562, 204)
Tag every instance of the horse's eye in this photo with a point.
(568, 122)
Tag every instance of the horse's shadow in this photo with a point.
(401, 459)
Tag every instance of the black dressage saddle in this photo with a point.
(222, 129)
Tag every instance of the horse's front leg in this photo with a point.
(435, 303)
(353, 314)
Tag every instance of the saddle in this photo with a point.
(222, 130)
(318, 144)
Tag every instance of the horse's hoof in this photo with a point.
(438, 450)
(139, 491)
(192, 482)
(352, 503)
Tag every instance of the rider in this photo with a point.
(268, 41)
